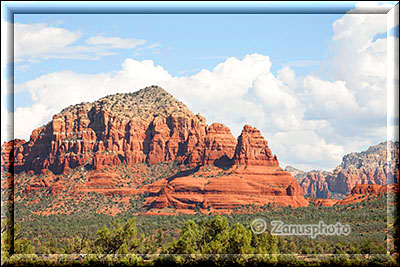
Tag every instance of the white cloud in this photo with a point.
(359, 60)
(6, 126)
(278, 102)
(305, 149)
(152, 49)
(115, 42)
(235, 92)
(41, 40)
(153, 45)
(287, 76)
(30, 118)
(354, 55)
(327, 100)
(35, 42)
(202, 92)
(75, 88)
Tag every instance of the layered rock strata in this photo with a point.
(150, 126)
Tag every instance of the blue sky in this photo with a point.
(189, 43)
(314, 84)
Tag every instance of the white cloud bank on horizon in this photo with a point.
(309, 122)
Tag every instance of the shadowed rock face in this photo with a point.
(151, 126)
(377, 165)
(314, 184)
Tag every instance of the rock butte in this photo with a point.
(150, 126)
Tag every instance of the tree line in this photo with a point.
(212, 240)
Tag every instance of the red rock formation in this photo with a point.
(254, 178)
(366, 189)
(107, 132)
(315, 185)
(252, 149)
(8, 150)
(150, 126)
(359, 193)
(377, 165)
(252, 186)
(217, 145)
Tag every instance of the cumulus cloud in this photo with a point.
(278, 102)
(327, 100)
(250, 93)
(358, 60)
(31, 117)
(306, 149)
(287, 76)
(6, 125)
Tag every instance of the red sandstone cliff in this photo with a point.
(147, 126)
(150, 126)
(253, 178)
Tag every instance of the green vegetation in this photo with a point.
(367, 220)
(211, 239)
(132, 239)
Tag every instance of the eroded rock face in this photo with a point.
(8, 150)
(150, 126)
(217, 146)
(255, 177)
(147, 126)
(378, 165)
(242, 187)
(314, 184)
(252, 149)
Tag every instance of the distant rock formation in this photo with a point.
(359, 193)
(378, 165)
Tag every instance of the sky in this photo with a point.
(316, 85)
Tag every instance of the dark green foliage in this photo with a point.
(119, 240)
(214, 241)
(217, 236)
(206, 238)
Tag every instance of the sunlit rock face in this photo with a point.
(150, 127)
